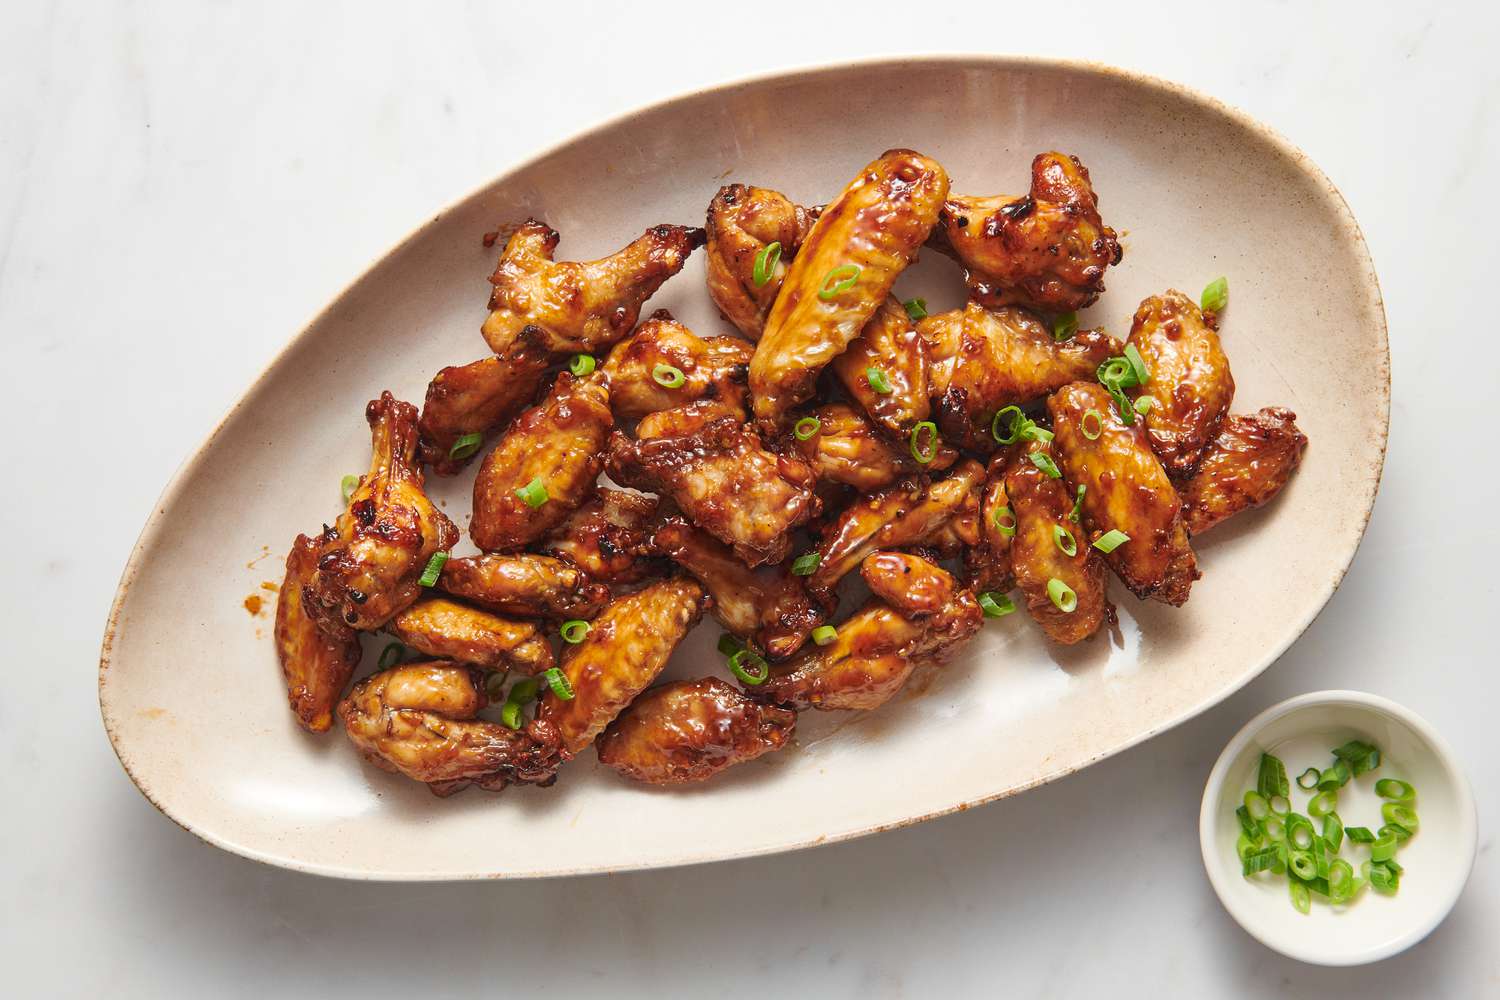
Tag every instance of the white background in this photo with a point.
(183, 186)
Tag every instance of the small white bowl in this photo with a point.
(1438, 859)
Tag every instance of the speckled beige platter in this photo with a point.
(189, 687)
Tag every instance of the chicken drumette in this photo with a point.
(743, 222)
(640, 376)
(445, 628)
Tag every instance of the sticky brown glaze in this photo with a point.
(889, 342)
(316, 662)
(875, 224)
(847, 448)
(1125, 489)
(767, 606)
(625, 649)
(444, 628)
(418, 719)
(918, 616)
(1042, 506)
(369, 562)
(983, 361)
(1047, 250)
(579, 307)
(712, 367)
(524, 584)
(725, 481)
(478, 398)
(609, 537)
(1190, 385)
(743, 221)
(691, 731)
(1248, 464)
(559, 441)
(987, 563)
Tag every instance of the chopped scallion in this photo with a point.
(1062, 596)
(806, 564)
(1044, 462)
(840, 279)
(806, 428)
(1215, 295)
(824, 634)
(465, 446)
(534, 493)
(1111, 540)
(390, 655)
(758, 672)
(926, 454)
(433, 570)
(668, 376)
(915, 308)
(1064, 540)
(1004, 520)
(1065, 326)
(348, 485)
(765, 263)
(995, 604)
(581, 364)
(878, 382)
(574, 631)
(559, 683)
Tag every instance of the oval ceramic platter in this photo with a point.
(189, 684)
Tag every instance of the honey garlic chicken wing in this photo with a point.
(987, 563)
(524, 584)
(742, 222)
(418, 720)
(609, 537)
(1050, 546)
(725, 481)
(1190, 385)
(713, 367)
(690, 731)
(447, 629)
(478, 398)
(579, 306)
(984, 361)
(1047, 250)
(846, 448)
(1125, 489)
(843, 272)
(625, 649)
(919, 615)
(370, 561)
(316, 662)
(767, 606)
(557, 444)
(1248, 464)
(890, 351)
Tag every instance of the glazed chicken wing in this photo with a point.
(1126, 489)
(842, 274)
(579, 306)
(987, 563)
(369, 562)
(919, 615)
(846, 448)
(559, 442)
(479, 397)
(418, 720)
(742, 222)
(690, 731)
(447, 629)
(1047, 250)
(1190, 385)
(626, 647)
(1248, 464)
(713, 367)
(316, 661)
(1040, 554)
(890, 347)
(767, 606)
(609, 537)
(524, 584)
(983, 361)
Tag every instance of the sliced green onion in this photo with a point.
(1394, 867)
(765, 263)
(574, 630)
(806, 428)
(1044, 462)
(1247, 822)
(1256, 805)
(840, 279)
(1360, 834)
(1301, 898)
(1116, 372)
(1260, 861)
(1271, 777)
(581, 364)
(1077, 511)
(1015, 424)
(824, 634)
(1062, 596)
(1384, 848)
(348, 485)
(494, 685)
(924, 455)
(995, 604)
(1111, 540)
(915, 308)
(668, 376)
(1396, 791)
(434, 569)
(1280, 805)
(1382, 879)
(1333, 831)
(1334, 778)
(1004, 520)
(534, 493)
(1138, 370)
(1083, 425)
(1215, 295)
(1340, 880)
(806, 564)
(525, 691)
(1322, 804)
(1299, 831)
(1246, 845)
(878, 382)
(1321, 858)
(1359, 756)
(1302, 865)
(510, 715)
(1034, 433)
(1123, 405)
(1400, 815)
(729, 645)
(1143, 405)
(759, 672)
(1275, 827)
(558, 681)
(1064, 540)
(465, 446)
(390, 655)
(1065, 326)
(1395, 830)
(1308, 780)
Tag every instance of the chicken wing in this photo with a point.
(1040, 554)
(418, 720)
(316, 662)
(1190, 385)
(890, 347)
(1047, 250)
(447, 629)
(691, 731)
(842, 274)
(626, 647)
(579, 306)
(742, 222)
(918, 616)
(767, 606)
(559, 442)
(369, 562)
(478, 398)
(1126, 489)
(524, 584)
(609, 537)
(987, 563)
(846, 448)
(713, 367)
(725, 481)
(983, 361)
(1248, 464)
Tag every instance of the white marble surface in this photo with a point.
(183, 185)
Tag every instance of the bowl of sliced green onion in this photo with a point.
(1337, 828)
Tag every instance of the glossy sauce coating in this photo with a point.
(478, 398)
(444, 628)
(987, 563)
(742, 222)
(1190, 384)
(316, 662)
(889, 343)
(524, 584)
(1248, 464)
(609, 537)
(847, 448)
(712, 367)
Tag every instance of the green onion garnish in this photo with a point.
(1399, 832)
(348, 485)
(510, 715)
(1384, 848)
(1322, 804)
(391, 655)
(1143, 405)
(1016, 421)
(1302, 865)
(995, 604)
(581, 364)
(1340, 880)
(840, 279)
(534, 493)
(1004, 520)
(1360, 834)
(1116, 372)
(1261, 861)
(1308, 780)
(927, 454)
(668, 376)
(878, 382)
(1280, 805)
(1137, 364)
(1333, 830)
(1301, 898)
(806, 564)
(1064, 540)
(1062, 596)
(1334, 778)
(1400, 815)
(1083, 425)
(1359, 755)
(558, 682)
(434, 569)
(1271, 777)
(525, 691)
(574, 631)
(1248, 826)
(1256, 805)
(806, 428)
(765, 263)
(1077, 511)
(1382, 879)
(1065, 326)
(1299, 831)
(1275, 827)
(824, 634)
(1045, 463)
(759, 671)
(1111, 540)
(729, 645)
(1215, 295)
(465, 446)
(915, 308)
(1396, 791)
